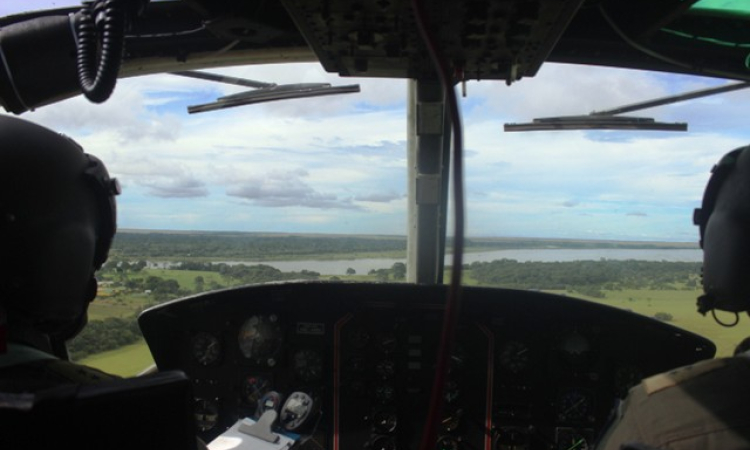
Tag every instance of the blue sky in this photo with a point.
(338, 164)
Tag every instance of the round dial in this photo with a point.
(308, 365)
(451, 393)
(270, 400)
(358, 338)
(387, 342)
(576, 349)
(205, 348)
(512, 438)
(385, 422)
(385, 393)
(260, 338)
(573, 439)
(253, 389)
(386, 368)
(515, 356)
(447, 443)
(383, 443)
(575, 406)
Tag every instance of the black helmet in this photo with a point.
(724, 222)
(57, 222)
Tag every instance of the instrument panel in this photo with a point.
(350, 365)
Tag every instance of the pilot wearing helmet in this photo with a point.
(57, 221)
(705, 405)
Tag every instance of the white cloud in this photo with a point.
(339, 163)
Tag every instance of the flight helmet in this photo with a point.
(57, 222)
(724, 223)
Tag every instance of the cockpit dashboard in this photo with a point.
(350, 365)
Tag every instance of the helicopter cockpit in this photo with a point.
(430, 363)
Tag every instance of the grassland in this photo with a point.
(126, 361)
(681, 305)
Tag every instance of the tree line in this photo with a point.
(257, 246)
(246, 245)
(587, 277)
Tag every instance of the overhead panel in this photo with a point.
(507, 39)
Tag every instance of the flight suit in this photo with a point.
(702, 406)
(26, 369)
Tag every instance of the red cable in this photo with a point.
(451, 314)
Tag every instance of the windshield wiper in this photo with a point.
(264, 92)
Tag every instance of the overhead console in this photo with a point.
(351, 365)
(504, 40)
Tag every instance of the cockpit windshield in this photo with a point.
(286, 222)
(541, 205)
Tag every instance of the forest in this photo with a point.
(589, 278)
(129, 245)
(246, 246)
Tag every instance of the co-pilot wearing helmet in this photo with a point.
(705, 405)
(57, 221)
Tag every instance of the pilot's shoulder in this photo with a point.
(690, 372)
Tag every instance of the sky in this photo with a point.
(339, 164)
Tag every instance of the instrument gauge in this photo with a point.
(447, 443)
(260, 338)
(308, 365)
(457, 359)
(573, 439)
(511, 438)
(576, 349)
(451, 393)
(385, 422)
(382, 443)
(385, 393)
(254, 388)
(205, 348)
(206, 413)
(575, 406)
(358, 338)
(386, 368)
(387, 342)
(515, 356)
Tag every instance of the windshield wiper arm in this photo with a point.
(265, 92)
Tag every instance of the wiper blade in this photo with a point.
(266, 92)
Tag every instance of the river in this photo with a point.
(363, 266)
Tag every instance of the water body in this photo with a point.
(363, 266)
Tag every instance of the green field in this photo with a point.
(681, 305)
(186, 278)
(121, 306)
(126, 361)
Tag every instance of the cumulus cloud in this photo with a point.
(161, 179)
(126, 118)
(175, 188)
(283, 189)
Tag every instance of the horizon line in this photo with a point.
(404, 236)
